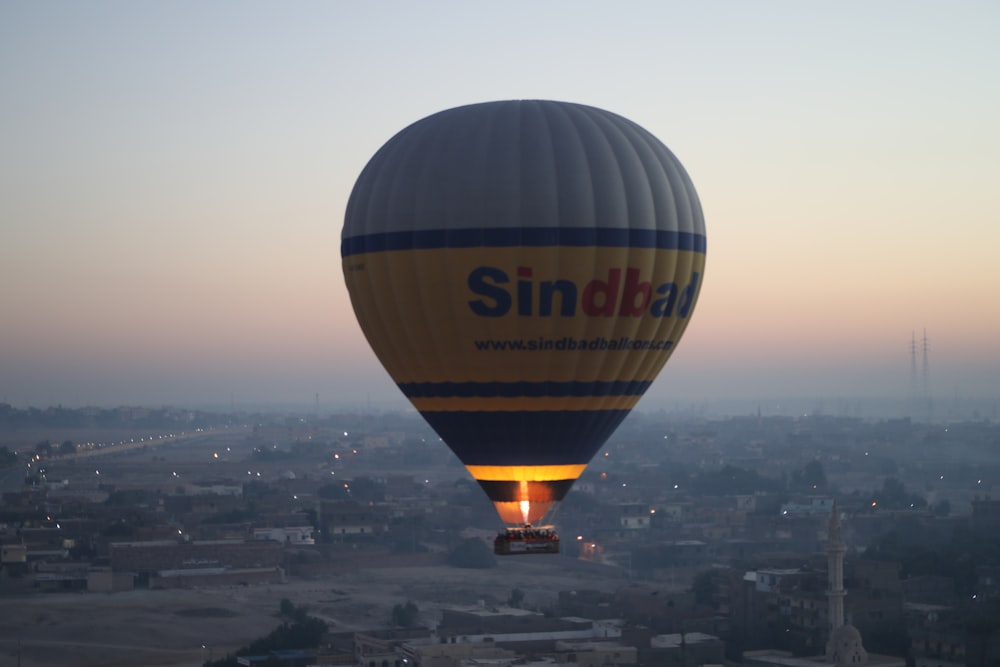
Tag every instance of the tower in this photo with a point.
(920, 402)
(843, 646)
(926, 377)
(926, 368)
(835, 550)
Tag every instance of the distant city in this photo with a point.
(694, 539)
(919, 406)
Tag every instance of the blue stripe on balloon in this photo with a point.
(502, 237)
(549, 437)
(519, 389)
(506, 492)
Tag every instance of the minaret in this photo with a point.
(835, 550)
(844, 647)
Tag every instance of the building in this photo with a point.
(171, 563)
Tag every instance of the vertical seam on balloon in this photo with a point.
(440, 149)
(659, 156)
(470, 133)
(569, 136)
(516, 139)
(368, 277)
(575, 115)
(614, 365)
(587, 115)
(627, 131)
(545, 126)
(409, 363)
(625, 153)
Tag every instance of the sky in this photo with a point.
(173, 179)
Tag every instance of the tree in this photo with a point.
(405, 616)
(366, 489)
(286, 607)
(894, 496)
(814, 476)
(405, 535)
(7, 457)
(289, 610)
(811, 477)
(703, 587)
(334, 491)
(942, 507)
(516, 598)
(67, 447)
(119, 528)
(305, 632)
(472, 553)
(731, 480)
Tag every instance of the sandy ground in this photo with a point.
(169, 628)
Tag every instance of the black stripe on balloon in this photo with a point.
(501, 237)
(522, 389)
(507, 492)
(545, 437)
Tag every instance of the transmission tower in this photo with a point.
(925, 373)
(921, 404)
(926, 369)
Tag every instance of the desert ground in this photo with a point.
(183, 628)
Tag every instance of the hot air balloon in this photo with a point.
(523, 270)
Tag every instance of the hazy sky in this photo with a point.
(173, 178)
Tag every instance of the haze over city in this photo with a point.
(174, 178)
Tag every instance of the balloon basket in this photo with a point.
(526, 540)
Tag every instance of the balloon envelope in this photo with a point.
(523, 270)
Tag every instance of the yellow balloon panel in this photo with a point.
(524, 314)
